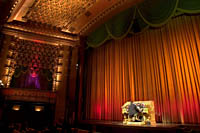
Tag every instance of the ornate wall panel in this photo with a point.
(35, 58)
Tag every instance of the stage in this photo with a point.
(119, 127)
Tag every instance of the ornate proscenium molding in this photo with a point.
(40, 32)
(103, 10)
(59, 13)
(71, 16)
(19, 10)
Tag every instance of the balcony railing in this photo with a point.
(30, 95)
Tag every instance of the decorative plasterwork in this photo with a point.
(19, 10)
(70, 16)
(39, 38)
(40, 33)
(41, 29)
(59, 13)
(113, 8)
(29, 95)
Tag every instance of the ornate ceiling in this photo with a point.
(75, 17)
(59, 13)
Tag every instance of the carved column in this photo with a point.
(72, 86)
(80, 79)
(61, 91)
(3, 57)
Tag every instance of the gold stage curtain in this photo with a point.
(160, 64)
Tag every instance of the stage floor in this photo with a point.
(118, 127)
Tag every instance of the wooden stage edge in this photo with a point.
(119, 127)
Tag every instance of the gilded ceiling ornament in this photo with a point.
(59, 13)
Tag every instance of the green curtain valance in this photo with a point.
(156, 12)
(189, 6)
(119, 25)
(150, 13)
(138, 24)
(97, 37)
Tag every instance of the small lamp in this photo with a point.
(16, 107)
(39, 108)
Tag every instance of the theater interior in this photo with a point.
(100, 66)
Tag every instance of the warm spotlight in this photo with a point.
(16, 107)
(39, 108)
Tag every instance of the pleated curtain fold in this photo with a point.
(161, 64)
